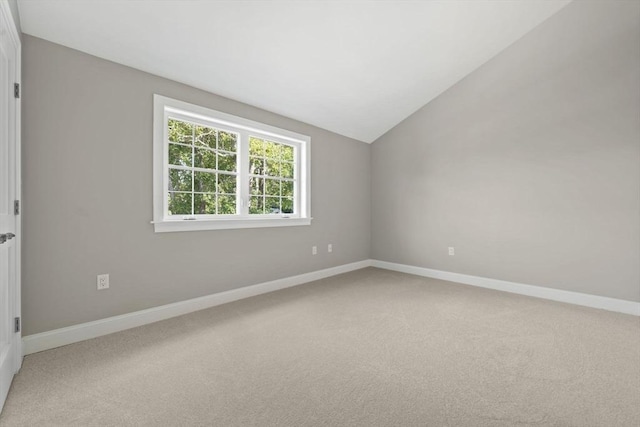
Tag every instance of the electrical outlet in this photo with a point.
(330, 248)
(103, 281)
(452, 251)
(314, 250)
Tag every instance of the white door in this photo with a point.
(10, 351)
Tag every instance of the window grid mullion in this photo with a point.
(297, 163)
(242, 184)
(215, 198)
(243, 191)
(193, 164)
(203, 147)
(165, 168)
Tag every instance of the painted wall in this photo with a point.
(87, 206)
(530, 166)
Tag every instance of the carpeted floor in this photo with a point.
(368, 348)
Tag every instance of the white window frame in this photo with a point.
(164, 107)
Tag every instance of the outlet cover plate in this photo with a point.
(103, 281)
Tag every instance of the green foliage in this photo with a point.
(272, 187)
(227, 141)
(204, 182)
(272, 170)
(179, 180)
(287, 153)
(227, 162)
(212, 190)
(287, 205)
(204, 204)
(256, 146)
(180, 155)
(206, 137)
(181, 132)
(256, 186)
(287, 189)
(226, 184)
(226, 204)
(198, 192)
(256, 206)
(180, 203)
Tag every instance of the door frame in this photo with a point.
(7, 17)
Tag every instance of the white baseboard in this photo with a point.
(587, 300)
(59, 337)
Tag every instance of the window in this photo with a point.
(213, 170)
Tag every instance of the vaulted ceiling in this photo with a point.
(356, 68)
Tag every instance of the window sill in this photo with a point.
(226, 224)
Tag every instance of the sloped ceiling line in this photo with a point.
(355, 68)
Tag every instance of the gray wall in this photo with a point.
(529, 166)
(87, 147)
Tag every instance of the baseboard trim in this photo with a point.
(69, 335)
(577, 298)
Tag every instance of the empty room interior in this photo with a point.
(320, 213)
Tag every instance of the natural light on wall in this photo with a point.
(213, 171)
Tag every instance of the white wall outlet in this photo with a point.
(452, 251)
(329, 248)
(314, 250)
(103, 281)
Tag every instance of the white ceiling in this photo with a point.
(356, 68)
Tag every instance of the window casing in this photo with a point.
(213, 170)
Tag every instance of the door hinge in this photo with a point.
(16, 207)
(16, 90)
(17, 325)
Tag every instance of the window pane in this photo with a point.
(179, 155)
(257, 205)
(286, 170)
(256, 186)
(226, 205)
(227, 162)
(179, 180)
(272, 187)
(204, 204)
(272, 205)
(204, 159)
(227, 141)
(202, 178)
(271, 150)
(256, 166)
(287, 188)
(277, 154)
(287, 153)
(272, 168)
(180, 131)
(287, 205)
(206, 137)
(204, 182)
(256, 147)
(226, 183)
(179, 204)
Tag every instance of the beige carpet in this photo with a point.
(368, 348)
